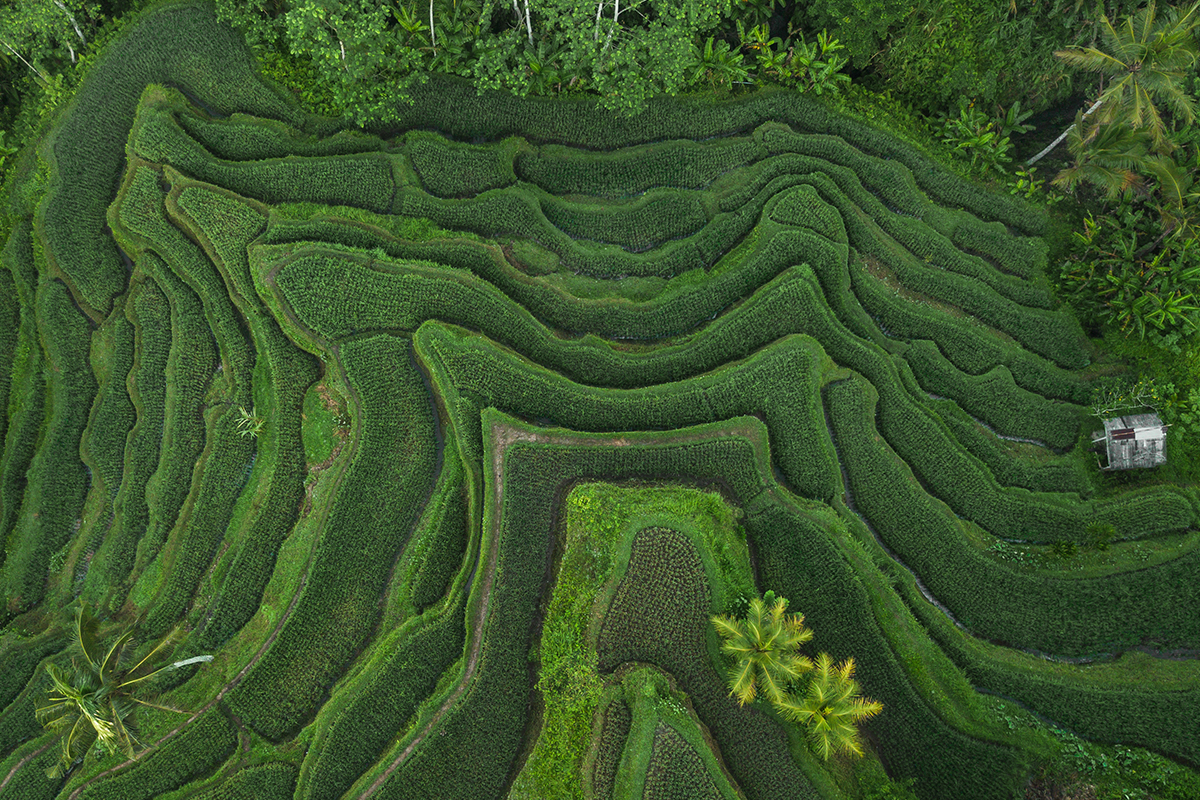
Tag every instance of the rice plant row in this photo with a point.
(495, 302)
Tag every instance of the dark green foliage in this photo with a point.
(630, 171)
(176, 45)
(450, 169)
(451, 106)
(18, 663)
(113, 414)
(780, 383)
(25, 402)
(518, 211)
(150, 312)
(384, 702)
(1139, 710)
(704, 261)
(995, 399)
(377, 502)
(659, 614)
(614, 729)
(1014, 464)
(444, 558)
(195, 751)
(271, 781)
(10, 322)
(1024, 257)
(228, 456)
(495, 708)
(689, 306)
(676, 771)
(191, 365)
(226, 225)
(356, 179)
(643, 224)
(800, 560)
(338, 294)
(803, 207)
(969, 345)
(57, 479)
(664, 572)
(242, 137)
(31, 783)
(18, 723)
(1049, 614)
(950, 473)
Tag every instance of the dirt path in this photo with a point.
(23, 762)
(503, 436)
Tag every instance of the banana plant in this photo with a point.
(717, 64)
(818, 67)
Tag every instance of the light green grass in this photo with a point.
(318, 427)
(601, 521)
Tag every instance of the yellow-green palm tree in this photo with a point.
(831, 708)
(1146, 60)
(764, 647)
(90, 705)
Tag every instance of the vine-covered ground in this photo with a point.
(794, 354)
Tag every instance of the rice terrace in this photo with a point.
(458, 460)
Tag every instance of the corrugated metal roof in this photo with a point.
(1135, 440)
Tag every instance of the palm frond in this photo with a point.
(85, 635)
(1174, 183)
(741, 682)
(729, 628)
(771, 683)
(1089, 59)
(114, 655)
(160, 708)
(864, 708)
(793, 666)
(124, 740)
(169, 639)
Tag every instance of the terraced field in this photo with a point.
(447, 328)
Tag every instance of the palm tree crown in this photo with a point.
(1108, 156)
(1146, 60)
(764, 647)
(91, 703)
(830, 707)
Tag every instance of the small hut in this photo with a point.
(1134, 440)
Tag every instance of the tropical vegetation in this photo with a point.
(90, 704)
(459, 375)
(831, 707)
(764, 647)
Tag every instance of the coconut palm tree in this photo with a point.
(1146, 60)
(764, 648)
(831, 707)
(90, 705)
(1111, 157)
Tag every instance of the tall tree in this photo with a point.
(367, 65)
(831, 708)
(1111, 157)
(1145, 61)
(764, 647)
(90, 705)
(37, 31)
